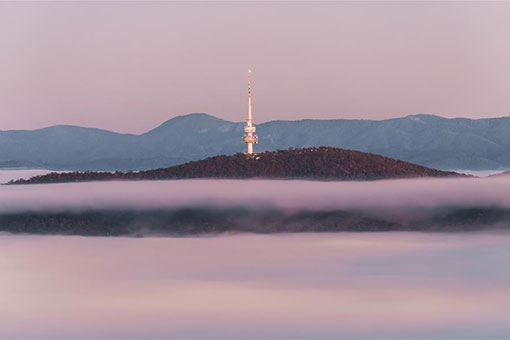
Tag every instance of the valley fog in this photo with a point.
(304, 285)
(286, 194)
(341, 285)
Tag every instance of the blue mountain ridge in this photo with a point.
(433, 141)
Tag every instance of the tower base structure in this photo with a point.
(250, 137)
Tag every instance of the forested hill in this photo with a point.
(325, 163)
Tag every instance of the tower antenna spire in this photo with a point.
(249, 95)
(250, 137)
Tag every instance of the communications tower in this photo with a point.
(250, 137)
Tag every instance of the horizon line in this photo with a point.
(259, 123)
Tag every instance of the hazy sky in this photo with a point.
(128, 66)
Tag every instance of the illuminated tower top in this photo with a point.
(250, 137)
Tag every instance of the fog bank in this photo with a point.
(290, 194)
(378, 285)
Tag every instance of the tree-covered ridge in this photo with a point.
(195, 220)
(323, 163)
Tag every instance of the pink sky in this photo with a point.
(128, 66)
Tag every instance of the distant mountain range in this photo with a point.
(471, 144)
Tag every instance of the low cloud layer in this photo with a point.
(291, 194)
(377, 285)
(182, 207)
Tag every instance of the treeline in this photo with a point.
(213, 220)
(325, 163)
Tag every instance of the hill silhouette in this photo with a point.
(323, 163)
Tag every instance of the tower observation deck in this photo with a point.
(250, 137)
